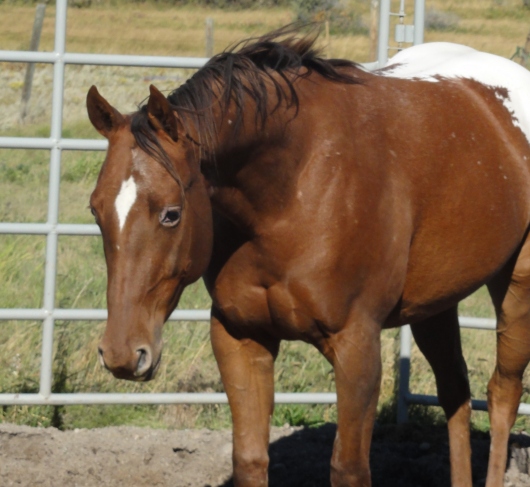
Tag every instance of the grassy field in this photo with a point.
(496, 26)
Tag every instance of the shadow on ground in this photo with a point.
(401, 456)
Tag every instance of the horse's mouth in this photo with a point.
(125, 374)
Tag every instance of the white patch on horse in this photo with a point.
(437, 61)
(125, 200)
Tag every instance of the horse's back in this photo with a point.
(442, 60)
(427, 178)
(468, 130)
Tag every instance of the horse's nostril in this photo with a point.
(144, 361)
(100, 356)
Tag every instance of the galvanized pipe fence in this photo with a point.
(52, 228)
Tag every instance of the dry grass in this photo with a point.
(496, 26)
(492, 25)
(144, 29)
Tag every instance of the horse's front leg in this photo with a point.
(355, 354)
(247, 372)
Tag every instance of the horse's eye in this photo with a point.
(93, 212)
(170, 216)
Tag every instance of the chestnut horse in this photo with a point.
(322, 202)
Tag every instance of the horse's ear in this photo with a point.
(160, 113)
(104, 117)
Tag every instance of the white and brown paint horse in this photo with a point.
(323, 203)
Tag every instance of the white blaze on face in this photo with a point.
(125, 200)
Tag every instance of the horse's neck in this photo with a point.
(252, 172)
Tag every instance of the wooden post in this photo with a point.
(30, 70)
(374, 11)
(526, 51)
(209, 37)
(522, 54)
(327, 39)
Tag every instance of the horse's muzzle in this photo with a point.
(139, 366)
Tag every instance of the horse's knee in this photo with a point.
(250, 468)
(513, 353)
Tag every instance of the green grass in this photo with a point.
(188, 363)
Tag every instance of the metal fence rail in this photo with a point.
(52, 229)
(406, 397)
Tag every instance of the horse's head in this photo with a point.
(152, 206)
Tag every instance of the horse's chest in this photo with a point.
(251, 301)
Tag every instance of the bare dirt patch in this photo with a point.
(408, 456)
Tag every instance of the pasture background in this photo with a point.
(175, 28)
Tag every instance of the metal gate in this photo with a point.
(53, 229)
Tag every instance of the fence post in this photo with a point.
(419, 21)
(209, 37)
(384, 32)
(326, 32)
(50, 270)
(374, 8)
(30, 70)
(522, 53)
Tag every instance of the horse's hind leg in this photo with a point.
(439, 340)
(510, 292)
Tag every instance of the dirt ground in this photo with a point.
(409, 456)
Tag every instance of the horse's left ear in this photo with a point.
(104, 117)
(160, 113)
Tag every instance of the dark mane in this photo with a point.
(240, 71)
